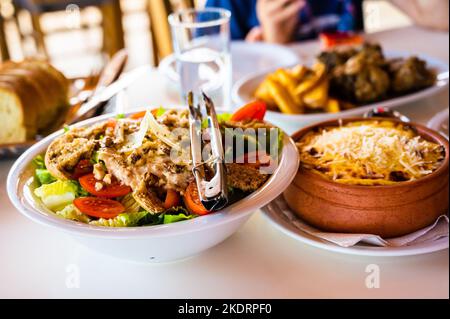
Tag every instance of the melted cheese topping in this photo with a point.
(370, 153)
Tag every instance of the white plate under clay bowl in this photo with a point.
(439, 122)
(282, 218)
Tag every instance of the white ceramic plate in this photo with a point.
(153, 243)
(439, 122)
(246, 58)
(243, 93)
(275, 217)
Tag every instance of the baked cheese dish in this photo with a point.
(370, 153)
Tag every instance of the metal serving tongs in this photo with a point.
(210, 175)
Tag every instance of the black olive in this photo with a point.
(107, 141)
(398, 176)
(313, 152)
(134, 158)
(322, 169)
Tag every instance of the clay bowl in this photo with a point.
(388, 211)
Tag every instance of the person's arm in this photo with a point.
(242, 14)
(278, 18)
(426, 13)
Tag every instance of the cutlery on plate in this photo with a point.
(99, 99)
(110, 73)
(385, 112)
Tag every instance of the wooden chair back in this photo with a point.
(4, 52)
(158, 11)
(113, 34)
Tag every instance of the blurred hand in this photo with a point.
(279, 19)
(255, 35)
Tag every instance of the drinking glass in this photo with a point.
(201, 40)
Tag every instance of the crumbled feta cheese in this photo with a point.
(99, 171)
(98, 186)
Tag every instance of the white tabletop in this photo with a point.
(257, 262)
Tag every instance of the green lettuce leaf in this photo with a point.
(123, 220)
(169, 219)
(160, 111)
(81, 192)
(44, 176)
(173, 215)
(224, 117)
(94, 158)
(39, 162)
(72, 213)
(57, 195)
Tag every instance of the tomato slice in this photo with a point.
(140, 115)
(192, 201)
(99, 207)
(111, 123)
(115, 189)
(253, 111)
(172, 199)
(83, 167)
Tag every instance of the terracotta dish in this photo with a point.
(386, 210)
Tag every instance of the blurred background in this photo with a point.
(86, 32)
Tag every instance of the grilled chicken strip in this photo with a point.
(148, 200)
(66, 151)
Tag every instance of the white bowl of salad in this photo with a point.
(109, 183)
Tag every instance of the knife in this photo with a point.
(109, 74)
(106, 94)
(112, 71)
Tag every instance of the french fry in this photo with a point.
(332, 106)
(318, 96)
(285, 78)
(291, 90)
(299, 72)
(283, 99)
(319, 69)
(311, 79)
(262, 92)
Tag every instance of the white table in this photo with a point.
(257, 262)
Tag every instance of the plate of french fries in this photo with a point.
(299, 90)
(299, 94)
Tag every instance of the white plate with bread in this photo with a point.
(34, 101)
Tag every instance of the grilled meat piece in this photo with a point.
(335, 58)
(245, 177)
(148, 199)
(410, 75)
(66, 151)
(132, 165)
(371, 85)
(362, 78)
(117, 166)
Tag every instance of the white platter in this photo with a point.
(279, 220)
(243, 93)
